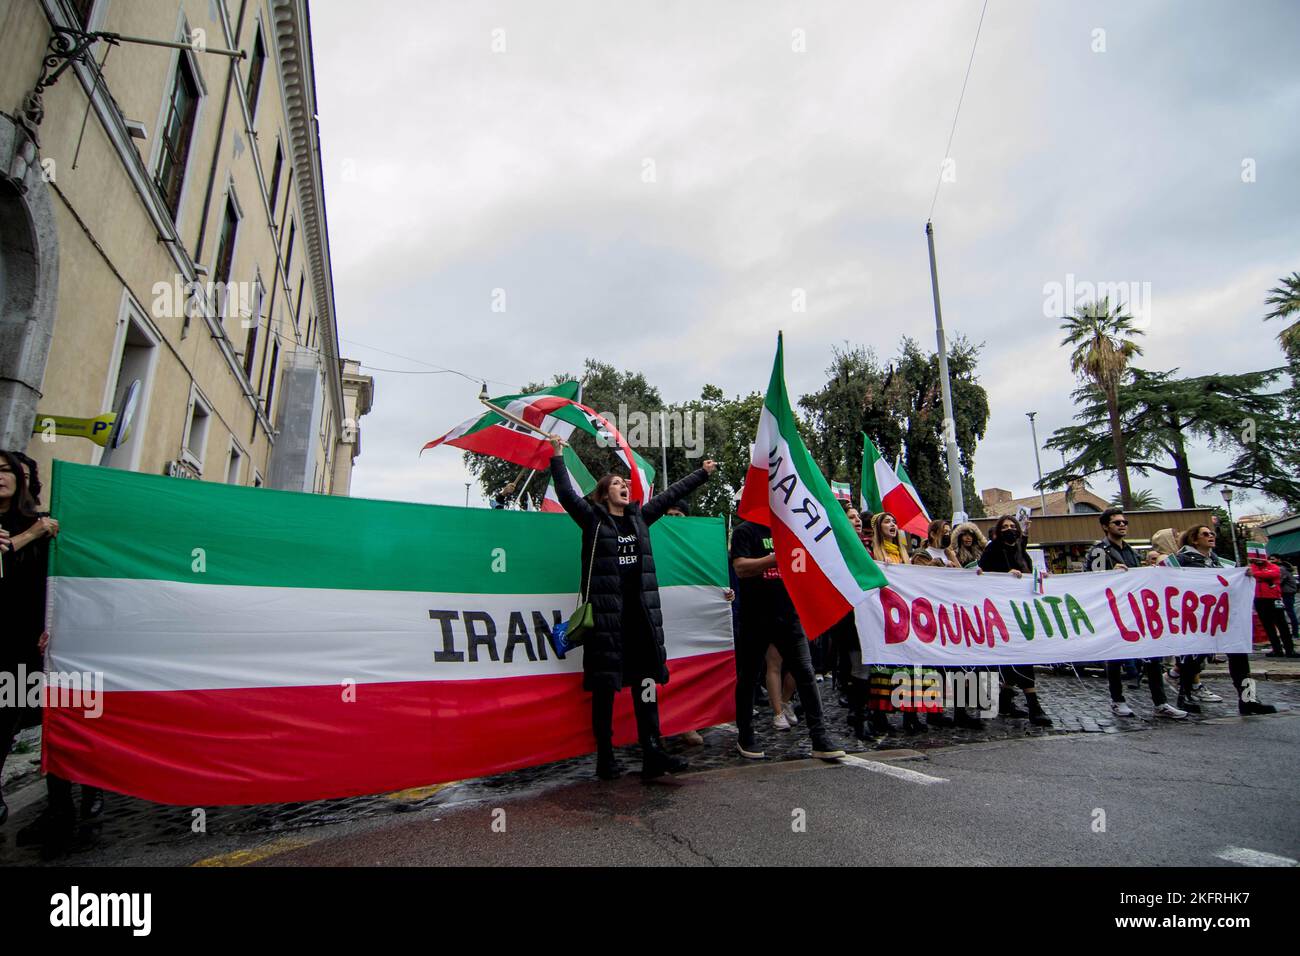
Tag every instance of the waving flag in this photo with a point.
(882, 491)
(841, 491)
(593, 423)
(823, 563)
(491, 434)
(579, 476)
(921, 523)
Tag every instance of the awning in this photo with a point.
(1287, 543)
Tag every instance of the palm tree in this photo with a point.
(1285, 300)
(1103, 349)
(1139, 501)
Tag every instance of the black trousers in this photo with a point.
(602, 718)
(752, 642)
(1154, 675)
(1275, 624)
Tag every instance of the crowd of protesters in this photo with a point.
(624, 646)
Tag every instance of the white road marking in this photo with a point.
(1243, 857)
(893, 770)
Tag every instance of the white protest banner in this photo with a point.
(941, 616)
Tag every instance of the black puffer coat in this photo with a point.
(602, 653)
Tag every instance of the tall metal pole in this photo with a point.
(1034, 431)
(467, 484)
(663, 444)
(950, 423)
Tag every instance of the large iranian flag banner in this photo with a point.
(264, 646)
(824, 566)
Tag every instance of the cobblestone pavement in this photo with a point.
(1076, 704)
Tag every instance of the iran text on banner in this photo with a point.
(784, 490)
(937, 616)
(882, 491)
(921, 524)
(579, 477)
(255, 649)
(490, 434)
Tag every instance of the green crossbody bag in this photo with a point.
(583, 620)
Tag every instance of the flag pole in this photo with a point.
(950, 423)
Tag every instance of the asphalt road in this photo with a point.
(1218, 794)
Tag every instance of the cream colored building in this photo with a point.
(162, 219)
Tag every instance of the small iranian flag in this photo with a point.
(883, 491)
(578, 475)
(490, 434)
(841, 491)
(920, 524)
(823, 564)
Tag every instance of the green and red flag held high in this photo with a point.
(642, 473)
(492, 434)
(921, 523)
(841, 491)
(883, 491)
(825, 568)
(578, 475)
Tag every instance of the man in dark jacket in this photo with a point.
(1113, 553)
(626, 646)
(767, 617)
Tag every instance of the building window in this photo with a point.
(226, 250)
(235, 466)
(177, 132)
(136, 360)
(196, 430)
(83, 10)
(270, 388)
(276, 169)
(255, 64)
(302, 279)
(288, 250)
(257, 479)
(254, 321)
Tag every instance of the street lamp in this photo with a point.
(1232, 527)
(467, 484)
(1042, 497)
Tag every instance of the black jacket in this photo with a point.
(602, 653)
(999, 558)
(1105, 556)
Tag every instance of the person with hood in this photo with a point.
(889, 546)
(1197, 551)
(1114, 553)
(626, 646)
(1268, 601)
(968, 544)
(1006, 554)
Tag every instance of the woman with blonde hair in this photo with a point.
(889, 546)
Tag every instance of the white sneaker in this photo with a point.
(780, 723)
(1204, 694)
(788, 711)
(1171, 712)
(1120, 709)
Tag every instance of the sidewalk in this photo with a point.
(1261, 668)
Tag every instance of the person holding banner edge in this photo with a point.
(626, 647)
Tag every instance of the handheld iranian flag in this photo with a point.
(579, 476)
(882, 491)
(492, 434)
(841, 491)
(824, 566)
(921, 523)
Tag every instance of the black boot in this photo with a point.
(912, 724)
(1187, 703)
(1036, 715)
(655, 762)
(857, 698)
(879, 724)
(1007, 704)
(608, 767)
(1248, 704)
(92, 802)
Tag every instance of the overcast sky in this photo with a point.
(793, 146)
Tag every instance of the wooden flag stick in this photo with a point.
(518, 421)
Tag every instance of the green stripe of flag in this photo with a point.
(116, 524)
(856, 559)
